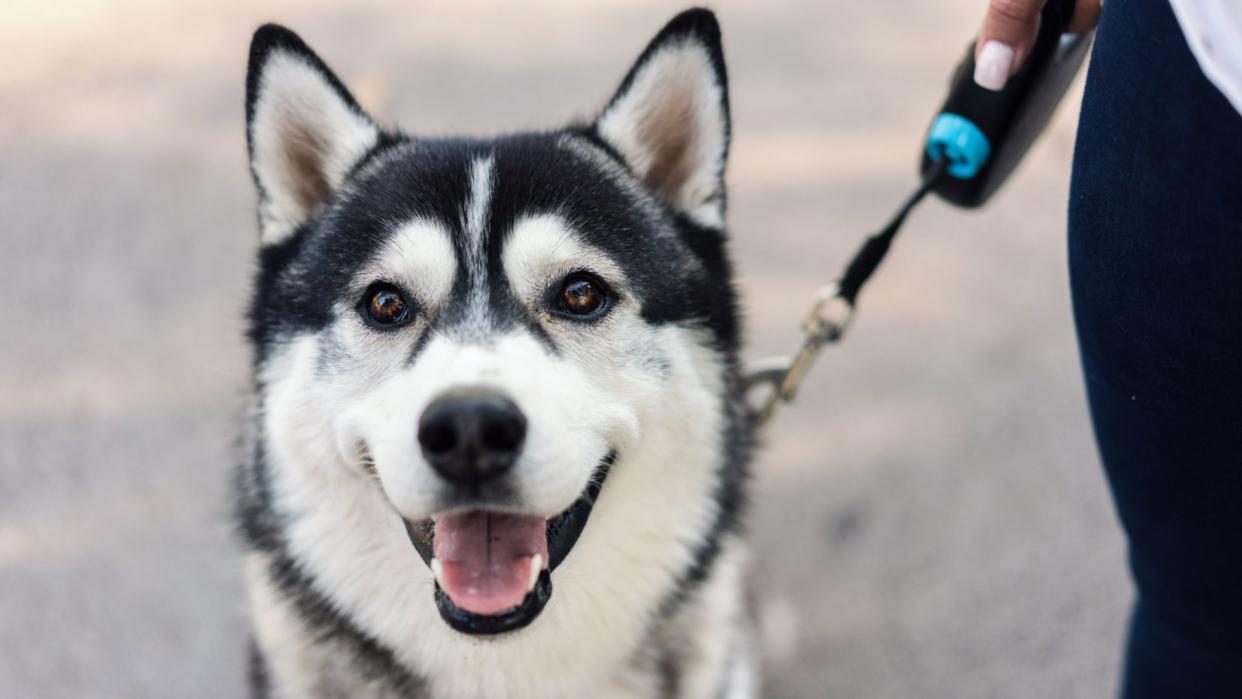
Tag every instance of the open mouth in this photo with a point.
(493, 569)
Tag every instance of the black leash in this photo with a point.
(874, 248)
(833, 307)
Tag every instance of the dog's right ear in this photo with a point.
(304, 131)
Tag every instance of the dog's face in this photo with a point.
(474, 334)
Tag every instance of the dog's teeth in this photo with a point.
(437, 569)
(536, 565)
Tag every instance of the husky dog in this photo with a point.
(499, 444)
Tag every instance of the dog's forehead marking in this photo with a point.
(475, 225)
(475, 237)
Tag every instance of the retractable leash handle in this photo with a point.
(974, 142)
(983, 134)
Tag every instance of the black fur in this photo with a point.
(257, 673)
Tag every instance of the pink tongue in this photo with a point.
(486, 558)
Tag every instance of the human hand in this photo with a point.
(1008, 34)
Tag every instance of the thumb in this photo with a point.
(1008, 32)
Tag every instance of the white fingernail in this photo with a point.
(993, 66)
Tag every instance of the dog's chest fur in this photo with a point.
(701, 651)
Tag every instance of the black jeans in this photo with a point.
(1155, 247)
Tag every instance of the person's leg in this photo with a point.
(1155, 244)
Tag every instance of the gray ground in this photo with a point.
(930, 519)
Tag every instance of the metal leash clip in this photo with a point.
(825, 322)
(832, 310)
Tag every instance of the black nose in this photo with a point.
(472, 437)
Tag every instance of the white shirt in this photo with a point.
(1213, 28)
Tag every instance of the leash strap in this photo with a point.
(832, 309)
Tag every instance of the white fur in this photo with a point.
(544, 248)
(564, 443)
(296, 109)
(419, 257)
(675, 90)
(481, 173)
(604, 390)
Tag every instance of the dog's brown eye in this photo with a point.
(582, 296)
(387, 307)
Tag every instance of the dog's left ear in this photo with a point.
(669, 120)
(305, 131)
